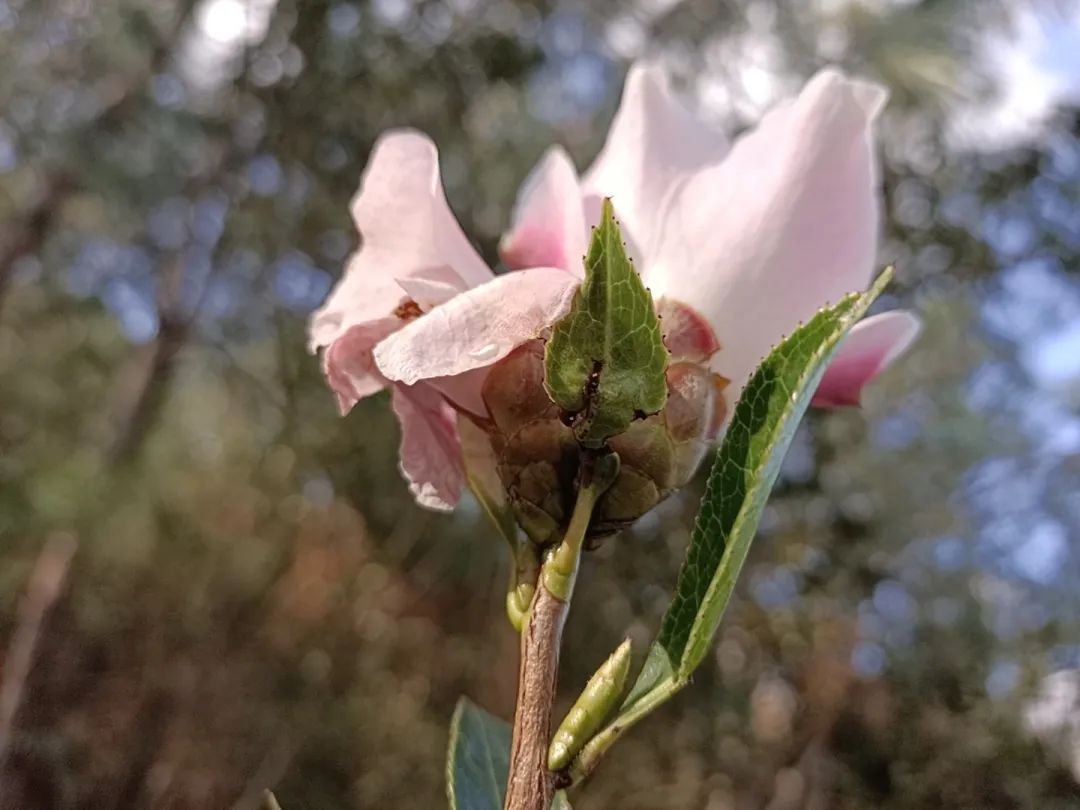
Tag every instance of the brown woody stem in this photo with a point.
(530, 785)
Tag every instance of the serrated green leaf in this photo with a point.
(746, 466)
(743, 474)
(478, 759)
(745, 469)
(606, 358)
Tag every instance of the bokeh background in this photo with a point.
(211, 584)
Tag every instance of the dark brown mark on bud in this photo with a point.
(588, 398)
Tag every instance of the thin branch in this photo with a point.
(46, 584)
(158, 360)
(256, 795)
(530, 785)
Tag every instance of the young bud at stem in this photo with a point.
(599, 697)
(538, 456)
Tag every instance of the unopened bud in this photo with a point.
(539, 457)
(595, 703)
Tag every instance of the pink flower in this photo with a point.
(739, 243)
(416, 266)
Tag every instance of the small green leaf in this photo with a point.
(606, 358)
(746, 466)
(561, 802)
(478, 759)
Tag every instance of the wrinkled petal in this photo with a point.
(868, 350)
(348, 365)
(407, 230)
(653, 145)
(548, 227)
(430, 455)
(478, 327)
(787, 223)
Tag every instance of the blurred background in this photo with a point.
(211, 584)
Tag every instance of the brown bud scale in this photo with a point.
(538, 456)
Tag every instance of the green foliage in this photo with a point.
(477, 760)
(606, 358)
(742, 476)
(251, 543)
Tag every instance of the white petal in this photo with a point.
(787, 223)
(653, 145)
(478, 327)
(548, 227)
(407, 230)
(430, 455)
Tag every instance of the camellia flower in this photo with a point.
(412, 261)
(738, 242)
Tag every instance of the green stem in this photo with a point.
(523, 576)
(561, 566)
(524, 561)
(530, 785)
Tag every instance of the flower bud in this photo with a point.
(538, 456)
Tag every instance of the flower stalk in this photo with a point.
(530, 785)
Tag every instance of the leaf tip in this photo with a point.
(882, 281)
(607, 210)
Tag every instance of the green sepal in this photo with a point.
(605, 360)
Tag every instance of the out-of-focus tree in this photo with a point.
(255, 601)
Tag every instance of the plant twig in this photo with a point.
(46, 584)
(530, 785)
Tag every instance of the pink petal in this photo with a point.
(478, 327)
(407, 231)
(463, 390)
(433, 287)
(687, 334)
(870, 347)
(348, 366)
(654, 143)
(548, 224)
(430, 455)
(787, 223)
